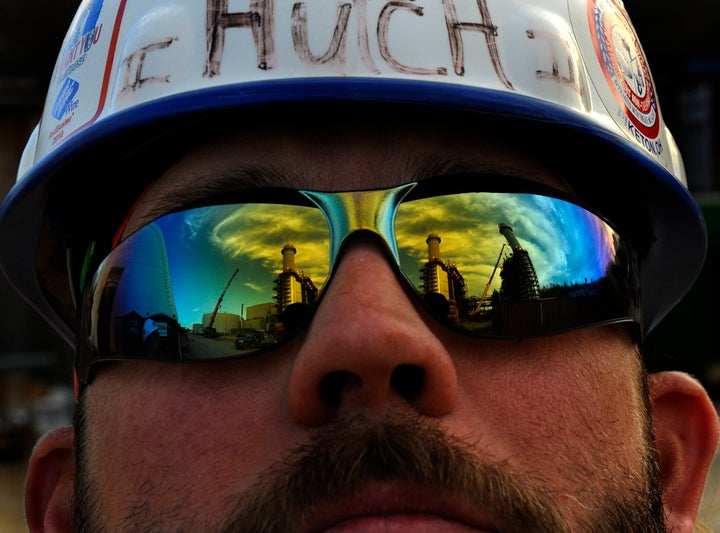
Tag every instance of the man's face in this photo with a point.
(376, 417)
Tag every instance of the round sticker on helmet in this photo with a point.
(624, 64)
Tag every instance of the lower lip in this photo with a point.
(415, 523)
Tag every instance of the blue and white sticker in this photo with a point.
(65, 101)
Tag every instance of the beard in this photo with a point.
(343, 456)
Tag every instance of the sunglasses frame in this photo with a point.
(369, 211)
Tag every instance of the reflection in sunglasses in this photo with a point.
(234, 273)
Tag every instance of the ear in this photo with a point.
(685, 423)
(49, 484)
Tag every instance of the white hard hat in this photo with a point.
(569, 75)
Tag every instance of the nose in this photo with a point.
(368, 348)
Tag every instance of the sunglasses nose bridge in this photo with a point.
(350, 211)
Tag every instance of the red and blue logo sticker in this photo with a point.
(626, 71)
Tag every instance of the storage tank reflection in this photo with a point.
(136, 292)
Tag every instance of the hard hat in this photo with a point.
(569, 76)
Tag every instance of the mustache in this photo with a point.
(341, 457)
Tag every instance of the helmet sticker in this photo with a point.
(65, 103)
(86, 34)
(625, 68)
(89, 45)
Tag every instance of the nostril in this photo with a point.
(408, 380)
(334, 384)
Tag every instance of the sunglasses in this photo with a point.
(229, 280)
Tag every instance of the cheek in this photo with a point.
(173, 427)
(554, 409)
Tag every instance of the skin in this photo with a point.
(565, 410)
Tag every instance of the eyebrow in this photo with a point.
(268, 175)
(232, 180)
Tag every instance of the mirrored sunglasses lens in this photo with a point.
(514, 265)
(208, 283)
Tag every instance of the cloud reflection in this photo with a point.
(259, 232)
(566, 243)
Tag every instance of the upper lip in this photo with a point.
(393, 497)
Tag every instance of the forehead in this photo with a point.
(349, 157)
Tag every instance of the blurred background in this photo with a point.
(35, 368)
